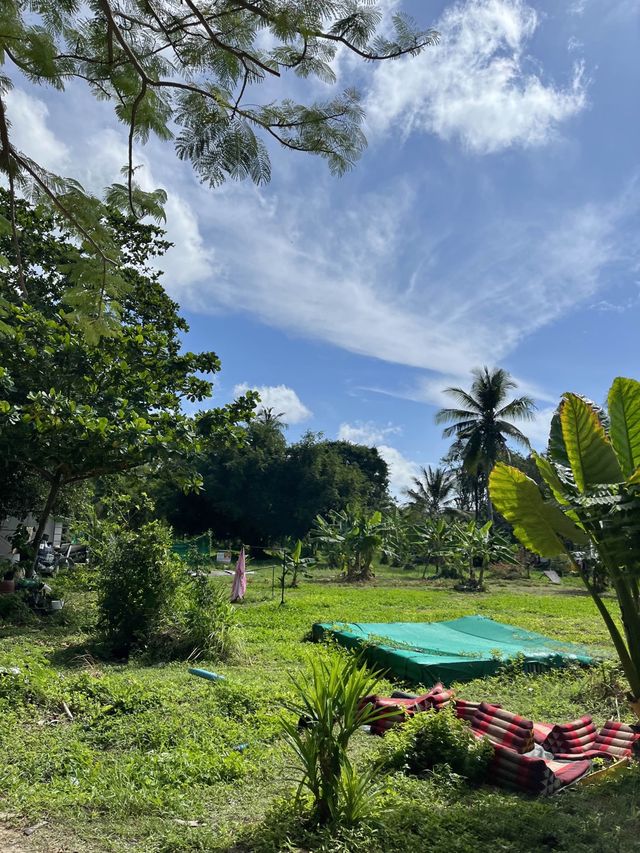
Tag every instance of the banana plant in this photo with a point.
(483, 546)
(352, 538)
(296, 563)
(437, 539)
(592, 470)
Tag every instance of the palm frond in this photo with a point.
(463, 398)
(447, 416)
(522, 408)
(514, 433)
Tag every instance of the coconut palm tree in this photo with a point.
(432, 491)
(484, 422)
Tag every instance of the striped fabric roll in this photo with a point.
(400, 709)
(503, 728)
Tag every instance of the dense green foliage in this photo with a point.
(72, 408)
(147, 602)
(352, 539)
(436, 741)
(592, 473)
(137, 587)
(265, 491)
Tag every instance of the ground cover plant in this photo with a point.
(157, 760)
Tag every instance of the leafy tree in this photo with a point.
(73, 410)
(265, 491)
(484, 425)
(187, 72)
(432, 491)
(592, 471)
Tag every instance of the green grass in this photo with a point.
(151, 748)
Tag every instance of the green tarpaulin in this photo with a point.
(460, 650)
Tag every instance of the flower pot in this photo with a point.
(56, 604)
(7, 587)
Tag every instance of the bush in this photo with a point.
(202, 624)
(137, 585)
(15, 610)
(432, 740)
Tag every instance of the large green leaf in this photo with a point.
(557, 451)
(589, 450)
(537, 525)
(624, 412)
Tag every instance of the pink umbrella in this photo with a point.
(239, 579)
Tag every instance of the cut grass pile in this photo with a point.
(156, 760)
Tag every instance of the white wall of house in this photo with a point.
(8, 526)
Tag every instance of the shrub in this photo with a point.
(202, 624)
(15, 610)
(209, 621)
(137, 585)
(431, 740)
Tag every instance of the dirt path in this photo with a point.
(15, 841)
(12, 841)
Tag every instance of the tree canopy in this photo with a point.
(189, 73)
(72, 410)
(264, 491)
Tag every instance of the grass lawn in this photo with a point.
(156, 760)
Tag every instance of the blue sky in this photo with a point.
(492, 220)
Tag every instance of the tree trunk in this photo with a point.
(56, 485)
(481, 577)
(489, 503)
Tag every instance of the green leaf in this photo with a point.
(635, 477)
(297, 551)
(624, 412)
(536, 524)
(590, 453)
(556, 450)
(549, 475)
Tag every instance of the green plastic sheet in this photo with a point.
(458, 650)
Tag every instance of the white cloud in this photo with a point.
(96, 162)
(280, 398)
(338, 272)
(366, 433)
(30, 132)
(401, 469)
(475, 86)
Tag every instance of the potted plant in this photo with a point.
(8, 584)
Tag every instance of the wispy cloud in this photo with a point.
(338, 272)
(280, 398)
(477, 86)
(366, 432)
